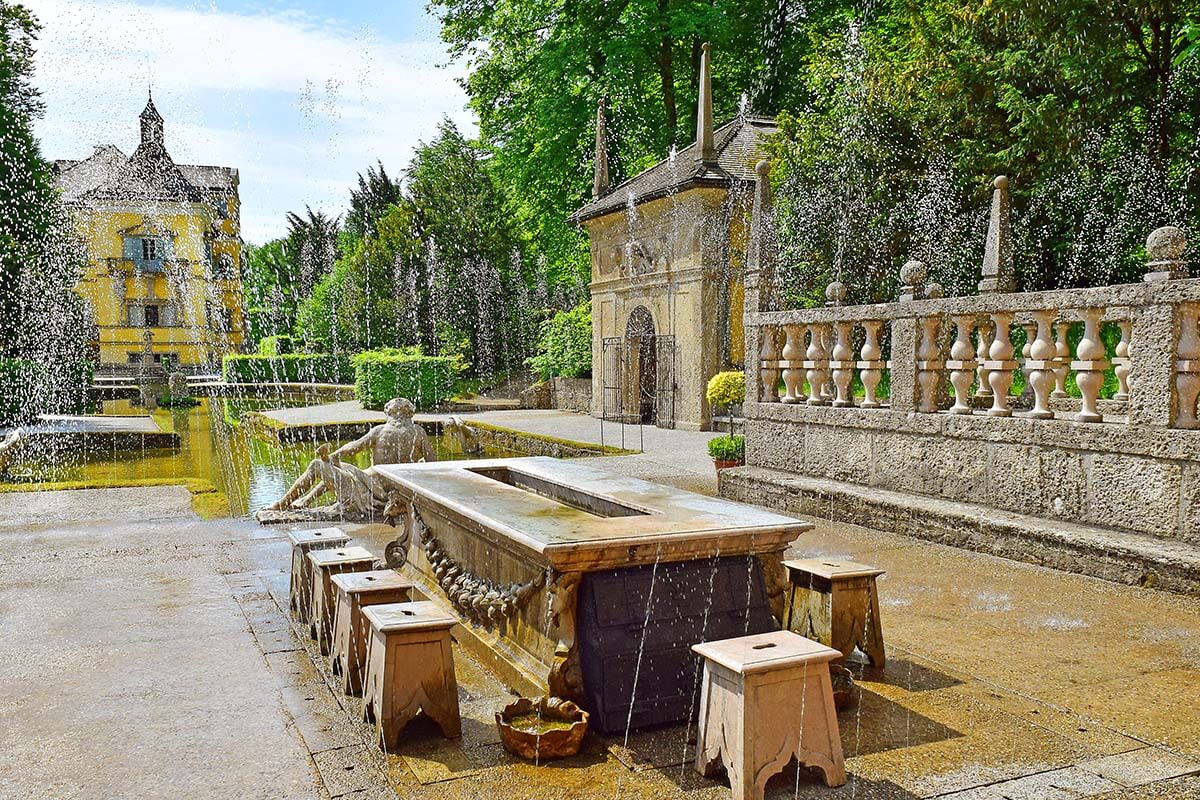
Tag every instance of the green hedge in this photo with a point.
(290, 368)
(29, 388)
(380, 375)
(564, 347)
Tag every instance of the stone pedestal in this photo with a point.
(355, 591)
(300, 590)
(765, 699)
(324, 565)
(836, 603)
(410, 668)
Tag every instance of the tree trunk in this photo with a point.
(666, 70)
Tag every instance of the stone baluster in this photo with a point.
(1000, 365)
(793, 361)
(929, 365)
(1089, 366)
(870, 364)
(983, 388)
(1062, 357)
(1121, 362)
(1187, 366)
(842, 364)
(816, 364)
(962, 363)
(1030, 329)
(1040, 364)
(768, 364)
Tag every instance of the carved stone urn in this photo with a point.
(542, 729)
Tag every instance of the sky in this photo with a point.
(299, 96)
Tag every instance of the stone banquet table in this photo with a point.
(513, 544)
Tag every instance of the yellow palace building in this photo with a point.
(163, 249)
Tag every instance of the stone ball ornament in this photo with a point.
(835, 292)
(913, 273)
(1167, 243)
(934, 291)
(763, 168)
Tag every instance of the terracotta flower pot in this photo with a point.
(725, 463)
(542, 729)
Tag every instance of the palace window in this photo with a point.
(149, 315)
(147, 252)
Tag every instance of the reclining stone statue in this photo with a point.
(359, 495)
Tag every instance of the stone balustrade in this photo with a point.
(1077, 404)
(958, 355)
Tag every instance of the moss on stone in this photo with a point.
(207, 501)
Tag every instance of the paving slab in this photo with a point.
(1143, 766)
(1069, 783)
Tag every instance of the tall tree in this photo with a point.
(370, 201)
(43, 321)
(312, 247)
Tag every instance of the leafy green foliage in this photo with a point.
(279, 345)
(42, 319)
(290, 368)
(381, 375)
(728, 448)
(1089, 108)
(29, 387)
(361, 304)
(375, 194)
(564, 347)
(267, 286)
(726, 389)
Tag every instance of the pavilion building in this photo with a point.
(668, 253)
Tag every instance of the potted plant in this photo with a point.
(727, 390)
(728, 451)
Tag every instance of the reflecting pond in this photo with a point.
(213, 446)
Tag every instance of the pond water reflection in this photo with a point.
(213, 446)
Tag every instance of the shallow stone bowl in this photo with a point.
(547, 744)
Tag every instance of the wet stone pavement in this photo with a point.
(148, 654)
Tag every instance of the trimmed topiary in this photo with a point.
(380, 375)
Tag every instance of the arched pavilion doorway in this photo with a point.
(643, 367)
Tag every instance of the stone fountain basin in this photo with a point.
(548, 740)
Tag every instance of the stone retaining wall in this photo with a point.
(573, 394)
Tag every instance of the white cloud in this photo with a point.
(299, 105)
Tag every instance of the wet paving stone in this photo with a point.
(348, 770)
(1139, 767)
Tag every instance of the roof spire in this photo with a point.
(704, 111)
(152, 122)
(600, 180)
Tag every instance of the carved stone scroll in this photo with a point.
(566, 675)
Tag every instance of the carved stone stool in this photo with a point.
(300, 589)
(766, 698)
(410, 668)
(837, 604)
(325, 564)
(354, 591)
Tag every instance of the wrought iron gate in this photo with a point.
(624, 393)
(664, 381)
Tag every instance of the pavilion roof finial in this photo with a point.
(704, 111)
(600, 179)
